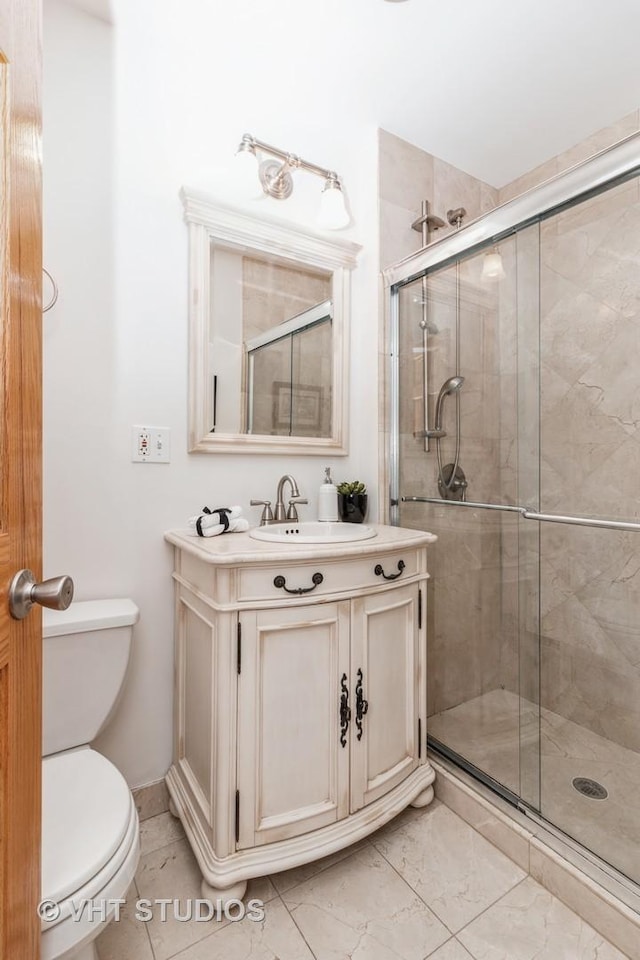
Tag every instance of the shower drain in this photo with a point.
(590, 788)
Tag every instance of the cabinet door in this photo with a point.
(388, 663)
(293, 772)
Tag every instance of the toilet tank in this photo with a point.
(85, 655)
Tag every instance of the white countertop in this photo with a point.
(233, 548)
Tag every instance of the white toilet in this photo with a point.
(90, 844)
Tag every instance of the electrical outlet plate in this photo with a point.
(150, 444)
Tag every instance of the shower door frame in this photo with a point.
(615, 165)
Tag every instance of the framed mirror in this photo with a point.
(268, 333)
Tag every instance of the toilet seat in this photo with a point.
(90, 846)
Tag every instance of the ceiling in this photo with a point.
(493, 86)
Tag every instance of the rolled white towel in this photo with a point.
(211, 523)
(241, 525)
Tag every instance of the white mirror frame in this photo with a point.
(210, 220)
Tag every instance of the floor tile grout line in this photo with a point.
(146, 926)
(415, 893)
(453, 939)
(190, 946)
(176, 956)
(219, 926)
(293, 919)
(489, 907)
(433, 952)
(146, 853)
(454, 933)
(312, 876)
(553, 895)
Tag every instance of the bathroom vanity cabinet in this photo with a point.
(300, 700)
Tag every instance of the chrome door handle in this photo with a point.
(56, 593)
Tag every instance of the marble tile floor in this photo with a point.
(487, 731)
(426, 885)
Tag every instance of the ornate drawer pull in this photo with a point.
(280, 582)
(362, 705)
(345, 710)
(379, 572)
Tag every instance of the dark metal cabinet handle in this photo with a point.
(362, 705)
(281, 583)
(379, 572)
(345, 710)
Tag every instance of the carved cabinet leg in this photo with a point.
(423, 799)
(220, 897)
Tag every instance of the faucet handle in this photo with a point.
(292, 513)
(267, 513)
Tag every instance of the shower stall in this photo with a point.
(515, 348)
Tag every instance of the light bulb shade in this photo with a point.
(492, 268)
(246, 172)
(332, 214)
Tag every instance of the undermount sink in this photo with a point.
(313, 531)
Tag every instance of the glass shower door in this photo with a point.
(483, 596)
(590, 576)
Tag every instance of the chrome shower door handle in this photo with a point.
(56, 593)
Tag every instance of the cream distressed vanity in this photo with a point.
(300, 709)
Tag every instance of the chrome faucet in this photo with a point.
(291, 514)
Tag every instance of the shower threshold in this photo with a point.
(497, 733)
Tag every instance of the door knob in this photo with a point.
(56, 593)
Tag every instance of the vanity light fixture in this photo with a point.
(492, 267)
(277, 182)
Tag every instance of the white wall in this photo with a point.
(132, 112)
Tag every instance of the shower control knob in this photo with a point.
(56, 593)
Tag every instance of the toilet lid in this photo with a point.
(86, 808)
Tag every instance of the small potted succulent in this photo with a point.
(352, 501)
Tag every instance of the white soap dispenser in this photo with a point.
(328, 499)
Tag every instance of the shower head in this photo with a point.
(452, 385)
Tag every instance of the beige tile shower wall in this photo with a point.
(471, 648)
(407, 176)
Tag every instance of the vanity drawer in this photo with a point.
(322, 577)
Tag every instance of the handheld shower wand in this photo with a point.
(452, 482)
(452, 385)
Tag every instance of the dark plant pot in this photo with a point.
(352, 507)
